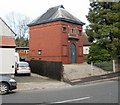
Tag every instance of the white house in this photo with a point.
(7, 49)
(86, 45)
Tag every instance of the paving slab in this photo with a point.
(38, 82)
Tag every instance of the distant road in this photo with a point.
(103, 92)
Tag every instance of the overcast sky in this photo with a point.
(35, 8)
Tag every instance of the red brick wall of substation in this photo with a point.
(54, 43)
(66, 43)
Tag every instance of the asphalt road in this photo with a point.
(103, 92)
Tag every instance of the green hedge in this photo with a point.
(105, 65)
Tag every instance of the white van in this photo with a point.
(17, 58)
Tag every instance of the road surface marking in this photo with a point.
(72, 100)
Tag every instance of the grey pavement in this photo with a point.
(37, 82)
(40, 82)
(94, 79)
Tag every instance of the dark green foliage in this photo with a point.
(104, 30)
(98, 54)
(21, 42)
(108, 66)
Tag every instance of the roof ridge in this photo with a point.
(55, 14)
(59, 6)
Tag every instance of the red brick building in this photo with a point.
(56, 36)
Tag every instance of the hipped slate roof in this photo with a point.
(57, 13)
(86, 42)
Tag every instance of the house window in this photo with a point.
(64, 29)
(26, 51)
(72, 31)
(21, 50)
(79, 32)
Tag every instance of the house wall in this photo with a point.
(47, 39)
(53, 43)
(86, 49)
(23, 53)
(86, 52)
(7, 60)
(5, 30)
(66, 43)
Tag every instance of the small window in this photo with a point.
(64, 29)
(79, 32)
(39, 52)
(26, 51)
(32, 59)
(39, 59)
(72, 31)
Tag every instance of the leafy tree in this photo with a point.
(98, 54)
(18, 23)
(104, 31)
(22, 42)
